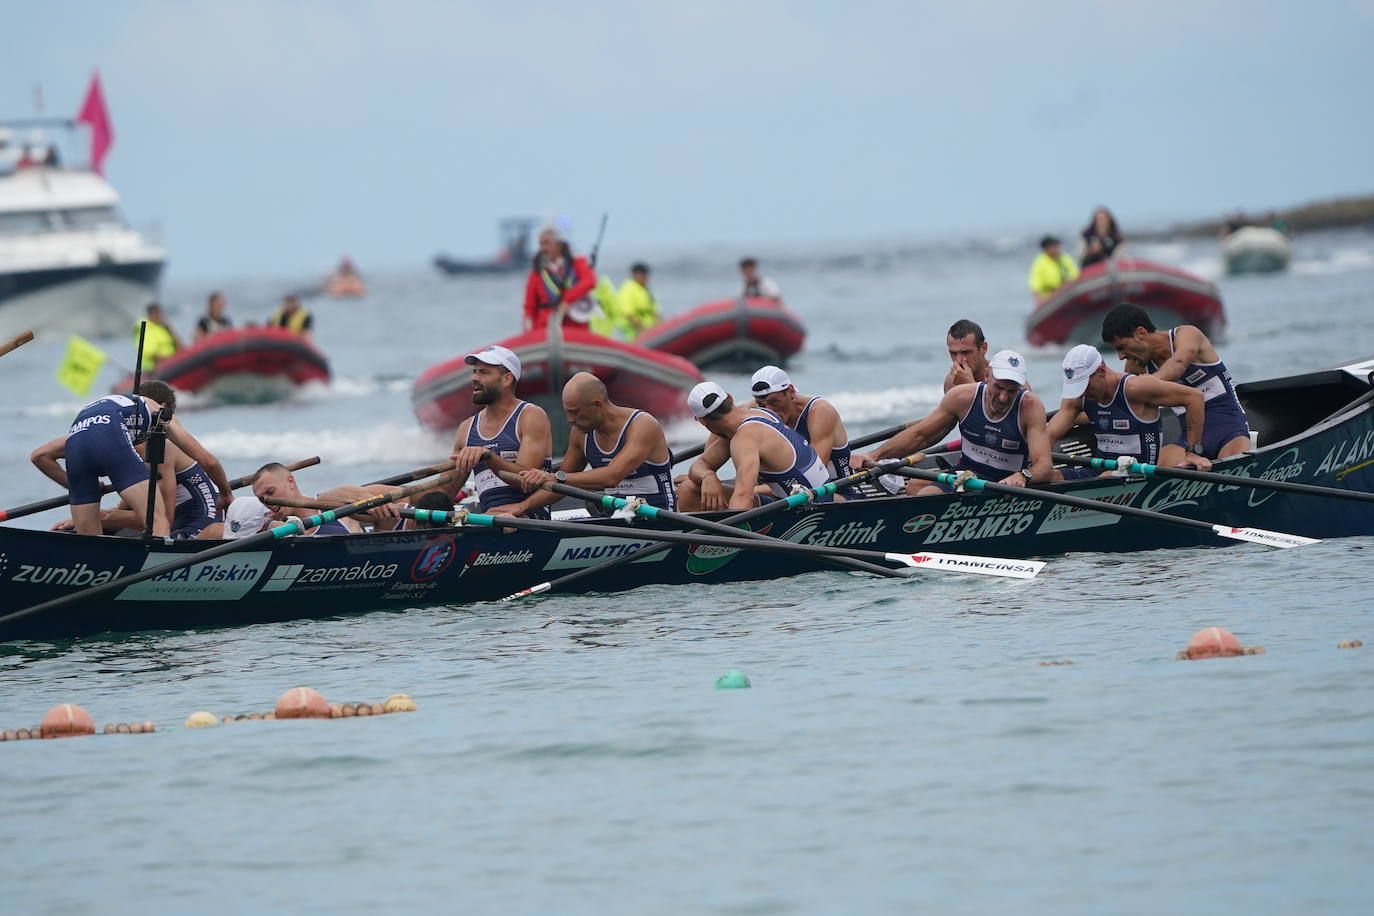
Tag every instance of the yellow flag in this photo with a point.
(80, 365)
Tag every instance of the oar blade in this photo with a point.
(978, 566)
(1261, 536)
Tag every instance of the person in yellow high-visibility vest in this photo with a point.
(293, 318)
(160, 340)
(1051, 269)
(638, 307)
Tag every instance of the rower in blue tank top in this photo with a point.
(621, 452)
(763, 449)
(1184, 355)
(814, 418)
(507, 435)
(1122, 410)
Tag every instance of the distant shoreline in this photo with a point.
(1336, 213)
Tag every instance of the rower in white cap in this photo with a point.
(1001, 422)
(762, 448)
(816, 419)
(1123, 411)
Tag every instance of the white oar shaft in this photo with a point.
(1261, 536)
(981, 566)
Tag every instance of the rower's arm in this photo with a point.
(208, 462)
(1158, 393)
(45, 459)
(536, 439)
(712, 459)
(1037, 438)
(574, 460)
(824, 419)
(640, 440)
(1132, 366)
(1188, 342)
(929, 430)
(1069, 415)
(744, 452)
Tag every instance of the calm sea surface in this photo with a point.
(900, 749)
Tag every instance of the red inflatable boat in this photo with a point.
(738, 334)
(634, 377)
(1170, 296)
(241, 365)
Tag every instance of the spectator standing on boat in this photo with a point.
(507, 434)
(275, 479)
(214, 320)
(638, 307)
(100, 443)
(1184, 355)
(621, 451)
(559, 285)
(160, 340)
(293, 318)
(1123, 412)
(1051, 269)
(1101, 238)
(757, 286)
(763, 449)
(1002, 424)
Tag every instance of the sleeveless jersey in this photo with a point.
(838, 465)
(651, 481)
(492, 491)
(992, 448)
(115, 410)
(806, 469)
(196, 495)
(1224, 412)
(1119, 431)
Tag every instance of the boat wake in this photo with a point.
(386, 443)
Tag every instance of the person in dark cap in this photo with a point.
(1051, 269)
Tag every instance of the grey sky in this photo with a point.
(271, 137)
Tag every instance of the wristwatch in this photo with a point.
(1195, 448)
(560, 476)
(1026, 473)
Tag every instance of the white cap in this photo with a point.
(768, 380)
(1009, 366)
(246, 517)
(1080, 363)
(496, 356)
(705, 398)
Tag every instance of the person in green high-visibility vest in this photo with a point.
(1051, 269)
(160, 340)
(638, 307)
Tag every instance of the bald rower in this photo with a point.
(621, 451)
(276, 480)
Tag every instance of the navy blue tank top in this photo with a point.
(115, 410)
(806, 469)
(651, 481)
(1119, 431)
(492, 491)
(196, 495)
(992, 449)
(1218, 393)
(838, 465)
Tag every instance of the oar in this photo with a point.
(43, 505)
(1230, 480)
(869, 439)
(418, 474)
(647, 511)
(294, 526)
(14, 343)
(946, 562)
(1254, 535)
(792, 501)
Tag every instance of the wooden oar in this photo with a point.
(396, 480)
(696, 450)
(294, 526)
(983, 566)
(692, 521)
(1254, 535)
(14, 343)
(792, 501)
(1230, 480)
(53, 503)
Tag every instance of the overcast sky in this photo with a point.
(271, 137)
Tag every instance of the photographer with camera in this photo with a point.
(100, 443)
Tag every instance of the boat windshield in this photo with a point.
(89, 217)
(28, 222)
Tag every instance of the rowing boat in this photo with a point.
(1316, 428)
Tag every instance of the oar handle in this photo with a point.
(407, 476)
(14, 343)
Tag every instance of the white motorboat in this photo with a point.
(1256, 249)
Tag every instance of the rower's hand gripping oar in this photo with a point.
(1254, 535)
(295, 526)
(1230, 480)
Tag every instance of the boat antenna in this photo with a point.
(138, 357)
(600, 234)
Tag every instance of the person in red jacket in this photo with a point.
(558, 283)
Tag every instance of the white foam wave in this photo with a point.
(409, 446)
(356, 387)
(1339, 262)
(886, 403)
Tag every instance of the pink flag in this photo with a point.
(102, 131)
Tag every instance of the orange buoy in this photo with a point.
(302, 703)
(347, 710)
(378, 709)
(1212, 642)
(364, 709)
(335, 710)
(67, 721)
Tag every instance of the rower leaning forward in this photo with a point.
(1002, 424)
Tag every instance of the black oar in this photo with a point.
(53, 503)
(295, 526)
(1230, 480)
(647, 511)
(16, 342)
(1255, 535)
(869, 439)
(792, 501)
(417, 474)
(945, 562)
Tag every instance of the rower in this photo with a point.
(1123, 411)
(1001, 422)
(292, 317)
(627, 451)
(1182, 354)
(762, 448)
(191, 503)
(275, 479)
(100, 443)
(815, 419)
(968, 352)
(507, 434)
